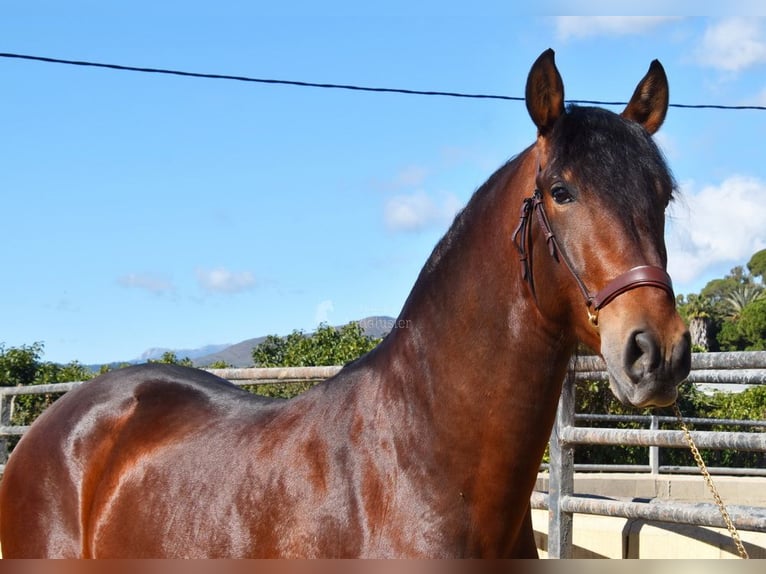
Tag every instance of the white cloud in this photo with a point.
(733, 44)
(221, 280)
(716, 225)
(156, 284)
(586, 26)
(410, 176)
(322, 312)
(419, 210)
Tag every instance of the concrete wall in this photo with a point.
(608, 537)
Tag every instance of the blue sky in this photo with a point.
(153, 211)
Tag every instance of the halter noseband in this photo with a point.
(641, 276)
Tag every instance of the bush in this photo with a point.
(326, 347)
(23, 366)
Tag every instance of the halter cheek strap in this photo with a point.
(641, 276)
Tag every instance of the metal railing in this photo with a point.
(560, 500)
(653, 467)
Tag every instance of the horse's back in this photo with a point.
(71, 458)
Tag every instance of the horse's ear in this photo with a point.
(649, 103)
(545, 92)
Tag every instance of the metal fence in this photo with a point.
(562, 503)
(747, 368)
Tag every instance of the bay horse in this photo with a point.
(427, 446)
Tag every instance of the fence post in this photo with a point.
(561, 480)
(654, 450)
(6, 408)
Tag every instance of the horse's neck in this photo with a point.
(470, 351)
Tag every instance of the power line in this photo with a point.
(257, 80)
(333, 86)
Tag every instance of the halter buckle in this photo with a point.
(593, 318)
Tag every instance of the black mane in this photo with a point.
(616, 157)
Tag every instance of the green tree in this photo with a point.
(49, 373)
(326, 346)
(741, 297)
(112, 367)
(170, 358)
(730, 338)
(697, 311)
(752, 325)
(23, 366)
(19, 365)
(719, 291)
(272, 352)
(745, 331)
(220, 364)
(757, 264)
(724, 300)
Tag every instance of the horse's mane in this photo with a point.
(616, 156)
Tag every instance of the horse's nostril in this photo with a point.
(642, 355)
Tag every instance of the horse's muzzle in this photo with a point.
(651, 372)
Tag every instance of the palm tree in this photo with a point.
(742, 296)
(698, 310)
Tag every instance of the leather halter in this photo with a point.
(641, 276)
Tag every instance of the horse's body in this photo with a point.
(429, 445)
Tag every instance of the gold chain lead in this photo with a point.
(709, 481)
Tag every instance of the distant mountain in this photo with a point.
(241, 354)
(238, 355)
(157, 352)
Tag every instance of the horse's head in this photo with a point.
(602, 187)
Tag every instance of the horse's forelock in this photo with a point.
(614, 157)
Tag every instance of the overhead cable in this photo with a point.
(333, 86)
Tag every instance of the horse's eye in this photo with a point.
(561, 195)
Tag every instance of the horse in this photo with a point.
(427, 446)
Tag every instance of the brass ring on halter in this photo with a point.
(593, 318)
